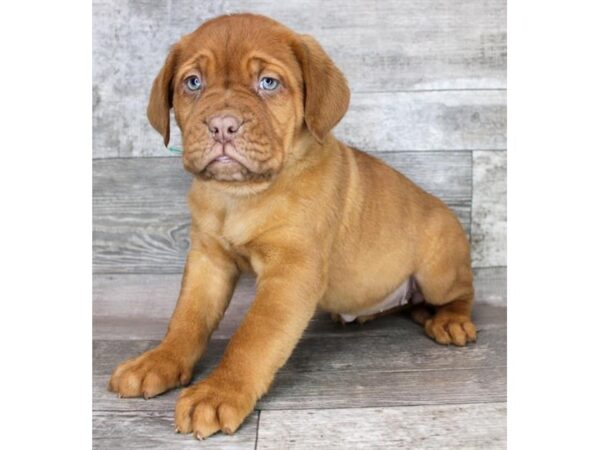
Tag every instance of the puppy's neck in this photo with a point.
(306, 151)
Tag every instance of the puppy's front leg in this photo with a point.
(287, 295)
(206, 288)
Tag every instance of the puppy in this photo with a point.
(319, 223)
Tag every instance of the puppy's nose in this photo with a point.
(223, 128)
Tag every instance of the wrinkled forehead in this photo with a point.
(233, 46)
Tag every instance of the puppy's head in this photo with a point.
(244, 88)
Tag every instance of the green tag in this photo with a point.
(175, 150)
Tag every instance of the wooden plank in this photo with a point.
(380, 46)
(376, 122)
(351, 389)
(415, 121)
(490, 285)
(144, 327)
(149, 295)
(155, 430)
(449, 426)
(127, 39)
(387, 362)
(408, 45)
(141, 219)
(344, 389)
(488, 240)
(402, 347)
(139, 307)
(437, 120)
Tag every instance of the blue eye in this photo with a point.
(193, 83)
(268, 83)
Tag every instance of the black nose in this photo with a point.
(223, 128)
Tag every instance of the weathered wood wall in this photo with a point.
(431, 72)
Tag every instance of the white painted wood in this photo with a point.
(490, 285)
(489, 227)
(114, 430)
(381, 46)
(437, 120)
(463, 426)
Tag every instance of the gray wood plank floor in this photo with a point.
(379, 385)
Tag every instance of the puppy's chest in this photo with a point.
(233, 232)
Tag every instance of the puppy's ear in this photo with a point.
(161, 97)
(326, 93)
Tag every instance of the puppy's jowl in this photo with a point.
(321, 225)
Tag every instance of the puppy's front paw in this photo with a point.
(210, 406)
(150, 374)
(451, 329)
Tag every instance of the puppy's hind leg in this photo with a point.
(447, 285)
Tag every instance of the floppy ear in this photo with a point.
(326, 93)
(161, 97)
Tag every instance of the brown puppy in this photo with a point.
(320, 224)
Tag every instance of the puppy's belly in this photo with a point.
(406, 293)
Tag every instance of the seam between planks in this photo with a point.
(472, 192)
(368, 150)
(410, 91)
(181, 272)
(386, 406)
(257, 429)
(502, 366)
(416, 405)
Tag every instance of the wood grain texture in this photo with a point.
(382, 47)
(141, 220)
(155, 430)
(388, 362)
(437, 120)
(139, 306)
(375, 122)
(344, 389)
(414, 121)
(407, 44)
(142, 326)
(489, 227)
(129, 42)
(327, 346)
(441, 426)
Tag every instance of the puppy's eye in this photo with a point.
(268, 83)
(193, 83)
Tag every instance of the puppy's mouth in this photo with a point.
(223, 154)
(221, 162)
(223, 159)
